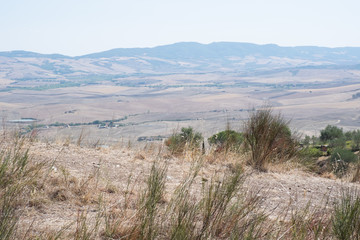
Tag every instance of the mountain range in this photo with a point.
(186, 57)
(218, 50)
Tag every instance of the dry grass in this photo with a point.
(143, 194)
(268, 138)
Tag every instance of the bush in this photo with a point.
(226, 140)
(306, 140)
(187, 139)
(311, 152)
(308, 158)
(331, 133)
(346, 217)
(268, 136)
(356, 140)
(348, 135)
(340, 160)
(337, 143)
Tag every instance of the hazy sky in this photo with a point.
(76, 27)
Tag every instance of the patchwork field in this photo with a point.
(152, 92)
(157, 110)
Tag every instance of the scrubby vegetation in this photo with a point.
(19, 176)
(228, 140)
(268, 138)
(346, 217)
(339, 146)
(211, 201)
(340, 160)
(187, 139)
(218, 207)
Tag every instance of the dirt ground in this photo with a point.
(111, 171)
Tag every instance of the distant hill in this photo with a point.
(29, 69)
(192, 50)
(20, 53)
(217, 50)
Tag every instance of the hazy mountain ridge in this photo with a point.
(191, 50)
(243, 59)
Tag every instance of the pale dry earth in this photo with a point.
(280, 190)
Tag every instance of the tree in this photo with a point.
(306, 140)
(348, 135)
(314, 140)
(331, 133)
(337, 142)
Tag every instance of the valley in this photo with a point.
(144, 93)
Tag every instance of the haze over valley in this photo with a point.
(146, 92)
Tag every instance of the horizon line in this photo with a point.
(181, 42)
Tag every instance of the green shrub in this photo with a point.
(337, 143)
(340, 160)
(346, 217)
(268, 137)
(226, 140)
(315, 140)
(311, 152)
(306, 140)
(308, 158)
(356, 140)
(348, 135)
(187, 139)
(331, 133)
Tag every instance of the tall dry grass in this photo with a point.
(217, 207)
(19, 175)
(268, 138)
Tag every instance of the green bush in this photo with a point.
(306, 140)
(337, 143)
(346, 217)
(340, 160)
(308, 158)
(186, 139)
(348, 135)
(355, 140)
(226, 140)
(311, 152)
(331, 133)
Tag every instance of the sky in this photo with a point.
(78, 27)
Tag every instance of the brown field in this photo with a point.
(187, 99)
(92, 171)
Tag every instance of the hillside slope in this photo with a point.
(112, 172)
